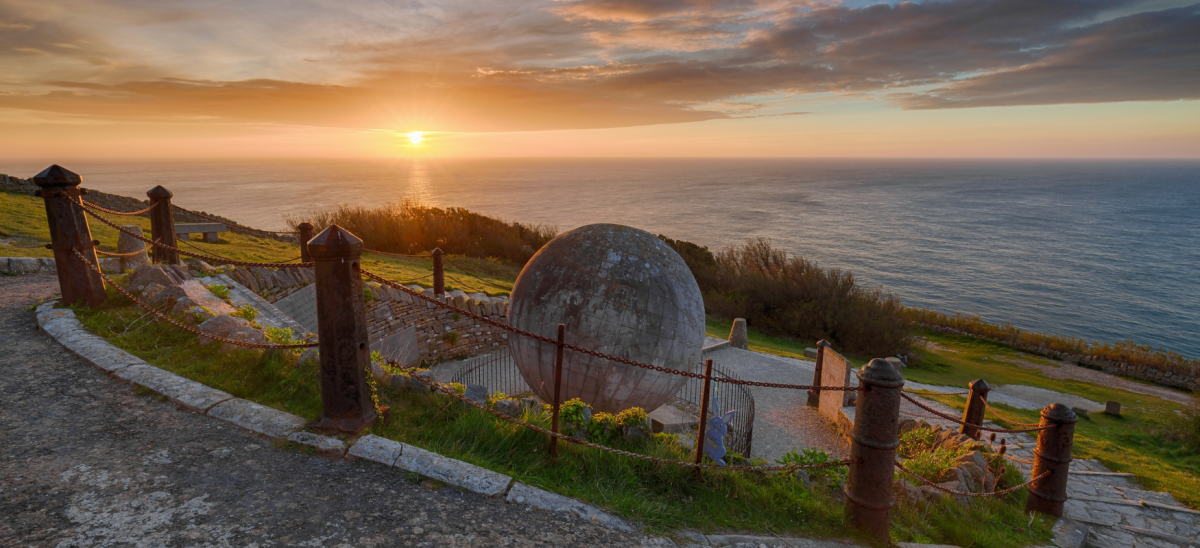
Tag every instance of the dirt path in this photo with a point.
(84, 461)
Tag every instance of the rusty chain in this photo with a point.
(979, 426)
(1003, 418)
(443, 388)
(589, 351)
(106, 210)
(202, 256)
(968, 493)
(928, 393)
(111, 254)
(184, 326)
(1015, 459)
(231, 223)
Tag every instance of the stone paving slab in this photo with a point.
(257, 418)
(545, 500)
(323, 444)
(374, 448)
(185, 392)
(453, 472)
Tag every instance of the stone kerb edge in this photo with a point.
(61, 325)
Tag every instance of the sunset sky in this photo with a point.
(265, 78)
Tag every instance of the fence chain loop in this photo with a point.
(959, 421)
(110, 211)
(968, 493)
(202, 256)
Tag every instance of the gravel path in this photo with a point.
(1072, 371)
(84, 461)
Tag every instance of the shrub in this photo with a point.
(603, 428)
(368, 295)
(247, 313)
(450, 337)
(278, 335)
(835, 474)
(574, 413)
(791, 296)
(634, 416)
(409, 227)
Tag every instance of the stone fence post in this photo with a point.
(814, 395)
(439, 274)
(162, 225)
(346, 403)
(69, 231)
(305, 235)
(873, 443)
(976, 406)
(1053, 454)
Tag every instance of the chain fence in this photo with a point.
(960, 421)
(111, 254)
(113, 212)
(968, 493)
(203, 256)
(587, 351)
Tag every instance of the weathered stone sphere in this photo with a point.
(620, 291)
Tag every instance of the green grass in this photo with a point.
(24, 233)
(1124, 444)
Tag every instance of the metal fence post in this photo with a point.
(558, 359)
(708, 367)
(162, 225)
(346, 403)
(78, 281)
(1053, 454)
(976, 406)
(305, 235)
(873, 443)
(814, 395)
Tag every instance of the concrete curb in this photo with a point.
(454, 472)
(545, 500)
(257, 418)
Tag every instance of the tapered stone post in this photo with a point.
(305, 235)
(1053, 454)
(439, 274)
(814, 396)
(346, 403)
(976, 406)
(79, 282)
(873, 443)
(737, 334)
(162, 225)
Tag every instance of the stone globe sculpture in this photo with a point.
(620, 291)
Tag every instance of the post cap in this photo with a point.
(979, 385)
(304, 226)
(57, 175)
(159, 193)
(436, 251)
(881, 373)
(335, 242)
(824, 343)
(1058, 412)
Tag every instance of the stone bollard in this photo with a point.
(814, 395)
(162, 225)
(737, 335)
(1053, 454)
(346, 403)
(976, 406)
(129, 244)
(69, 231)
(439, 274)
(305, 235)
(873, 443)
(1112, 408)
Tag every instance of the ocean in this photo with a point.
(1104, 250)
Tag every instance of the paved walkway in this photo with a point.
(84, 461)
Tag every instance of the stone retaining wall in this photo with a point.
(1142, 372)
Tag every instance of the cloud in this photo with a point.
(455, 65)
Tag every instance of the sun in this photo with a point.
(416, 136)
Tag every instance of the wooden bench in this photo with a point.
(211, 231)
